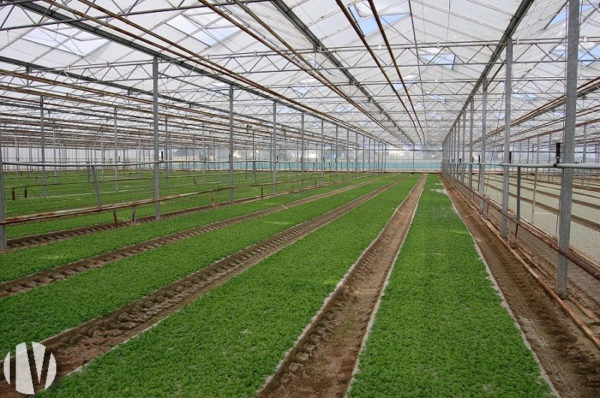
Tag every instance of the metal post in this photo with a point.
(231, 144)
(96, 189)
(566, 191)
(54, 149)
(483, 133)
(155, 128)
(363, 153)
(356, 152)
(322, 147)
(274, 147)
(584, 157)
(116, 153)
(472, 111)
(464, 144)
(2, 205)
(302, 149)
(347, 150)
(168, 154)
(254, 156)
(507, 111)
(336, 148)
(203, 153)
(44, 183)
(518, 192)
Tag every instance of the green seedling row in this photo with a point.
(40, 227)
(47, 310)
(226, 343)
(441, 329)
(19, 263)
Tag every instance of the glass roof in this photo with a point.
(399, 72)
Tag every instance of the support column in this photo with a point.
(336, 148)
(566, 191)
(507, 111)
(302, 148)
(483, 139)
(274, 147)
(115, 160)
(322, 147)
(472, 112)
(44, 182)
(464, 144)
(347, 150)
(2, 205)
(231, 144)
(155, 128)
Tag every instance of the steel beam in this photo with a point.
(507, 111)
(566, 190)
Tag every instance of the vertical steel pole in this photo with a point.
(302, 148)
(464, 144)
(2, 205)
(566, 191)
(322, 147)
(356, 152)
(471, 115)
(44, 183)
(231, 144)
(155, 128)
(363, 153)
(507, 111)
(584, 157)
(203, 153)
(168, 165)
(54, 149)
(483, 138)
(347, 150)
(336, 148)
(116, 153)
(274, 147)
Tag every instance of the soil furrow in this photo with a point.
(46, 277)
(322, 361)
(569, 358)
(75, 347)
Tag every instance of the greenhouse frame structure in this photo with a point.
(298, 86)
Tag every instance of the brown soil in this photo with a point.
(569, 358)
(322, 361)
(75, 347)
(46, 277)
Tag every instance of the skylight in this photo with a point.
(388, 14)
(81, 44)
(438, 57)
(562, 14)
(303, 87)
(585, 56)
(437, 98)
(588, 57)
(524, 97)
(210, 35)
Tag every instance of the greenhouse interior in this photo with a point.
(300, 198)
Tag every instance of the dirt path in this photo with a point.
(323, 360)
(75, 347)
(46, 277)
(570, 360)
